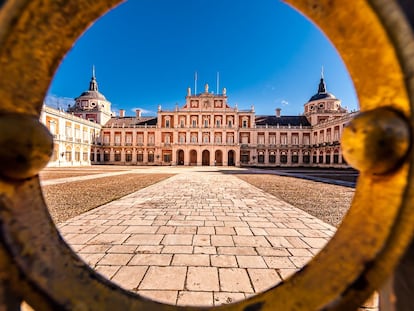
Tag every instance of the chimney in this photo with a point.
(138, 113)
(121, 113)
(278, 112)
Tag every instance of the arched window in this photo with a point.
(283, 157)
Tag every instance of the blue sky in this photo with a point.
(146, 52)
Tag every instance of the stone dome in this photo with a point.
(319, 96)
(90, 94)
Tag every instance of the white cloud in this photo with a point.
(284, 102)
(58, 102)
(143, 111)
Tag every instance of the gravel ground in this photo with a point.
(57, 175)
(58, 172)
(71, 199)
(324, 201)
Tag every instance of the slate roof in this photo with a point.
(322, 96)
(131, 121)
(282, 120)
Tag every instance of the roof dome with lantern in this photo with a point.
(322, 93)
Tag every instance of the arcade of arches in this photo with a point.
(218, 158)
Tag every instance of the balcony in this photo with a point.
(128, 144)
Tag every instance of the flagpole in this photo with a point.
(195, 83)
(218, 82)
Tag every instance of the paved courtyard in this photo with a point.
(201, 237)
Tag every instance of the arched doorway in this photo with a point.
(180, 157)
(328, 157)
(218, 158)
(193, 157)
(205, 158)
(336, 156)
(230, 158)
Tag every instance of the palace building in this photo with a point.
(206, 130)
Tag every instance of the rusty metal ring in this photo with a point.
(376, 42)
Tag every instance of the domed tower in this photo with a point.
(323, 105)
(91, 104)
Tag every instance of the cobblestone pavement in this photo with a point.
(201, 237)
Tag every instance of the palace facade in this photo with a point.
(206, 130)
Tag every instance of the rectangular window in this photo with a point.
(167, 123)
(150, 157)
(295, 140)
(117, 140)
(92, 156)
(68, 132)
(194, 123)
(117, 156)
(167, 157)
(106, 139)
(106, 157)
(140, 139)
(85, 156)
(128, 157)
(336, 135)
(68, 156)
(283, 139)
(52, 127)
(77, 133)
(306, 140)
(272, 158)
(140, 157)
(128, 139)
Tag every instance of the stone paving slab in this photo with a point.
(200, 237)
